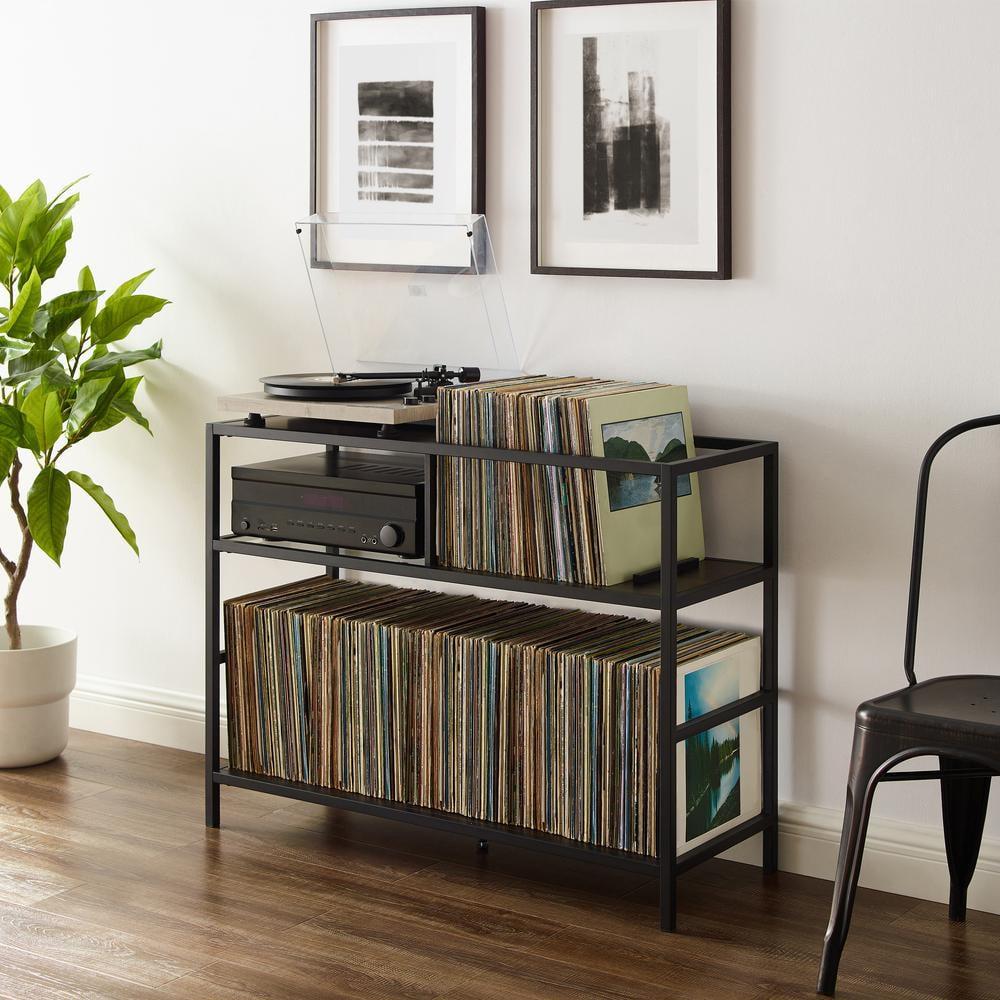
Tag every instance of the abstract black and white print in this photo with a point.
(396, 141)
(626, 145)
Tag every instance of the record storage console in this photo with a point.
(671, 593)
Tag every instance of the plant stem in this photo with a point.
(79, 354)
(21, 567)
(8, 564)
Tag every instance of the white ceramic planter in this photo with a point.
(35, 684)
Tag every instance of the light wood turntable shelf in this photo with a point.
(382, 411)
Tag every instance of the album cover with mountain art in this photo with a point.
(645, 425)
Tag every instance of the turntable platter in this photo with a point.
(318, 386)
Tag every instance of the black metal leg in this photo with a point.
(667, 708)
(870, 752)
(769, 658)
(769, 858)
(668, 899)
(212, 665)
(213, 817)
(963, 808)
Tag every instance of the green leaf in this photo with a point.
(4, 199)
(122, 407)
(69, 345)
(42, 410)
(22, 315)
(86, 284)
(131, 411)
(39, 231)
(115, 516)
(36, 190)
(88, 399)
(62, 191)
(117, 319)
(13, 348)
(112, 418)
(52, 252)
(52, 375)
(15, 220)
(127, 288)
(51, 420)
(48, 511)
(30, 441)
(11, 432)
(29, 365)
(11, 423)
(39, 323)
(64, 310)
(122, 359)
(93, 401)
(7, 453)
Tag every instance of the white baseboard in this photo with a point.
(903, 858)
(136, 712)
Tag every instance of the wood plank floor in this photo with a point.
(110, 887)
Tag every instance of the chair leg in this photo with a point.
(870, 752)
(963, 808)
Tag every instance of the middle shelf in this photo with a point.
(712, 578)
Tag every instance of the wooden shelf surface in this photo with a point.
(393, 412)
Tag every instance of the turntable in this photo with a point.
(414, 387)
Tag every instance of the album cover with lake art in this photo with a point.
(719, 770)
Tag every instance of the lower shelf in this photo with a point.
(499, 832)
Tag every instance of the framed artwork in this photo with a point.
(630, 158)
(398, 121)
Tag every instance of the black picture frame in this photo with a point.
(477, 41)
(724, 266)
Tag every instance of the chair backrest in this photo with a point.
(916, 564)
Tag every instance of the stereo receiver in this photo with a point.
(351, 500)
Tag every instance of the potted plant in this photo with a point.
(63, 377)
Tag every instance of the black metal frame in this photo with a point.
(477, 16)
(724, 259)
(669, 594)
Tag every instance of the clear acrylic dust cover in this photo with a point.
(398, 292)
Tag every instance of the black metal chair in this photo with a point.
(956, 719)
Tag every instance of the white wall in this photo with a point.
(862, 320)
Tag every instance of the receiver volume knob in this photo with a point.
(390, 535)
(244, 525)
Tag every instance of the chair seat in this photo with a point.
(962, 707)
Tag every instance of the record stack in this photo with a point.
(537, 717)
(572, 525)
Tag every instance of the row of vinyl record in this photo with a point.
(573, 525)
(536, 717)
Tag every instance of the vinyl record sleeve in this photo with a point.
(628, 424)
